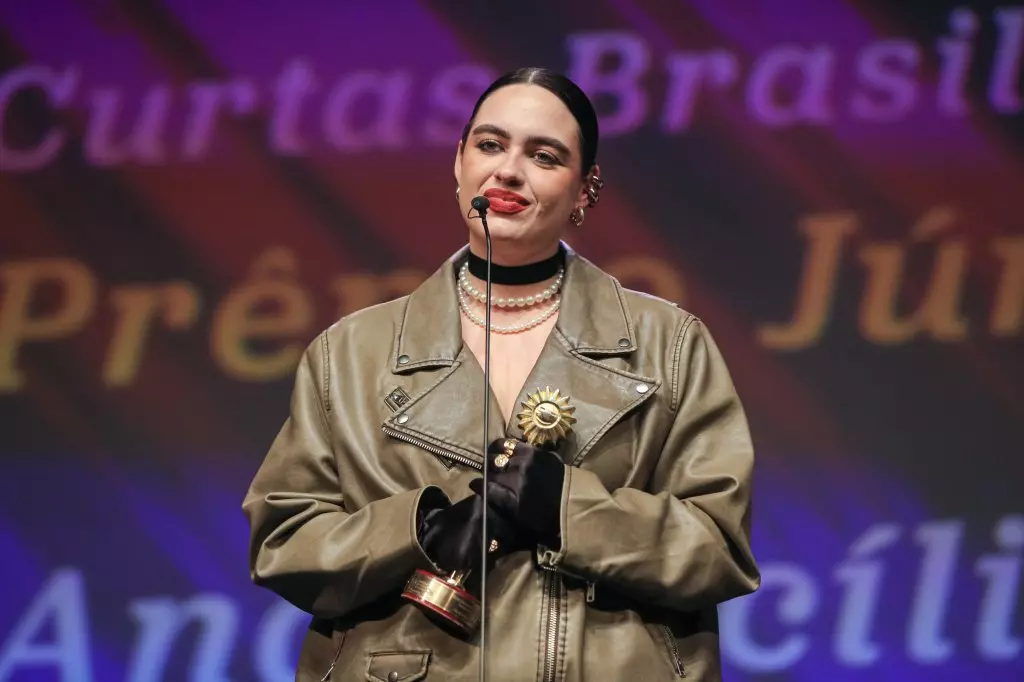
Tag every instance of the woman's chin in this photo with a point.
(509, 227)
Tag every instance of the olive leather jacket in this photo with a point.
(655, 521)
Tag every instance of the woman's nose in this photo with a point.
(509, 173)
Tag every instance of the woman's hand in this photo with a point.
(450, 535)
(525, 489)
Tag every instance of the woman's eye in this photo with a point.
(546, 158)
(488, 146)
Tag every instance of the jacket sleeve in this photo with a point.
(304, 545)
(684, 543)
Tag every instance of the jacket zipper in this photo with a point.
(673, 649)
(548, 565)
(433, 449)
(552, 587)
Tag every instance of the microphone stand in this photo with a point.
(481, 204)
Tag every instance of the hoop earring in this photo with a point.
(577, 216)
(457, 193)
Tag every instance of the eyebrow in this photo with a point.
(536, 139)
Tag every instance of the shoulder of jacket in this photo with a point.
(654, 308)
(363, 325)
(370, 320)
(357, 328)
(678, 328)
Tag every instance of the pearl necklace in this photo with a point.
(506, 329)
(512, 301)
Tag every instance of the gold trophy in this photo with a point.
(546, 418)
(445, 597)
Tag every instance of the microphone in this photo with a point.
(481, 204)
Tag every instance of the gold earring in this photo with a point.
(577, 216)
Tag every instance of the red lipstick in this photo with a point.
(504, 201)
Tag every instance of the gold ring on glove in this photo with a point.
(502, 460)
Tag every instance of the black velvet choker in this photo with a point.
(517, 274)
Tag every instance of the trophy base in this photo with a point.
(444, 598)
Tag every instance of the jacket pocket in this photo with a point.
(672, 646)
(397, 666)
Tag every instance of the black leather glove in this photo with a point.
(527, 493)
(450, 534)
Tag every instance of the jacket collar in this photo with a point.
(593, 317)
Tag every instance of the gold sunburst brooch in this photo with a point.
(546, 417)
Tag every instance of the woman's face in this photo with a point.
(523, 154)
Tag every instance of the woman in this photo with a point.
(614, 544)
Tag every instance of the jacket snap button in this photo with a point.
(403, 359)
(392, 676)
(642, 388)
(402, 418)
(623, 343)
